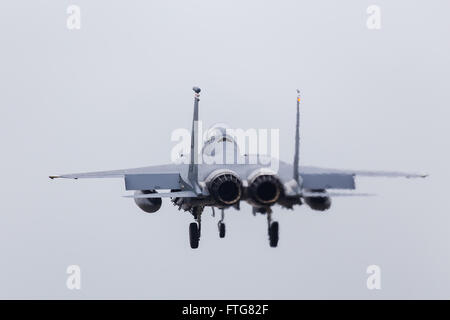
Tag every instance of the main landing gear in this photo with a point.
(272, 230)
(272, 226)
(195, 227)
(221, 224)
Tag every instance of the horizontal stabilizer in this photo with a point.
(177, 194)
(152, 181)
(335, 194)
(362, 173)
(328, 181)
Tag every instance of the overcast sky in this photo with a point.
(109, 95)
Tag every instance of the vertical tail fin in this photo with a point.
(297, 140)
(193, 165)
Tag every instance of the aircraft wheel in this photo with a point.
(273, 234)
(221, 229)
(194, 235)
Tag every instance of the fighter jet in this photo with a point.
(194, 185)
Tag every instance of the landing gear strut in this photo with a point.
(221, 224)
(195, 227)
(272, 229)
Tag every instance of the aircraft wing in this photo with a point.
(122, 172)
(174, 176)
(170, 176)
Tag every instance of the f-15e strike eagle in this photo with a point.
(195, 185)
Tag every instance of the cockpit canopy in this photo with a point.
(220, 145)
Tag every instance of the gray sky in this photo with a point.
(109, 95)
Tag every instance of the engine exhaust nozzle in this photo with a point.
(225, 188)
(265, 189)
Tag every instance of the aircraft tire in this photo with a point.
(194, 235)
(273, 234)
(221, 230)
